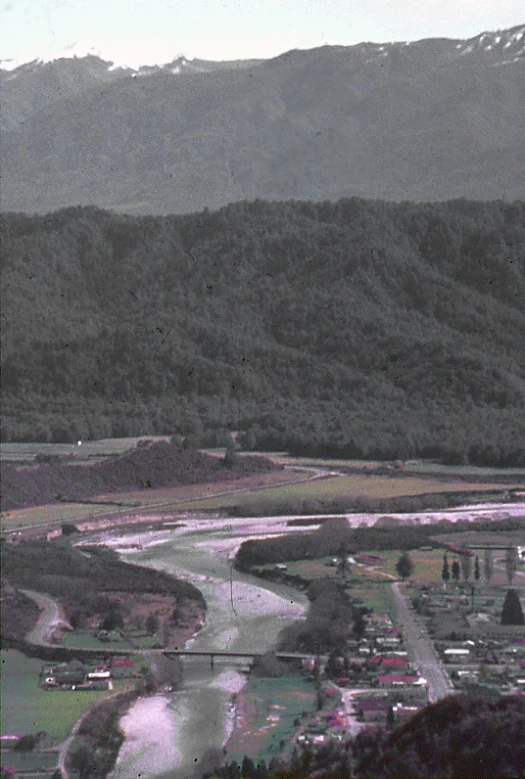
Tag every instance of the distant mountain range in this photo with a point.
(431, 120)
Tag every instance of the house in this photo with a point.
(98, 675)
(373, 709)
(456, 654)
(394, 662)
(396, 680)
(123, 669)
(402, 712)
(369, 559)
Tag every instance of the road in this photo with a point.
(425, 657)
(352, 724)
(50, 618)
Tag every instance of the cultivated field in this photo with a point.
(412, 466)
(349, 486)
(356, 479)
(25, 453)
(169, 498)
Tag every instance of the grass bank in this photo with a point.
(268, 711)
(27, 708)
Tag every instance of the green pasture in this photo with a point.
(173, 496)
(425, 466)
(418, 466)
(25, 452)
(427, 564)
(26, 762)
(165, 498)
(62, 512)
(374, 594)
(319, 462)
(141, 640)
(271, 706)
(489, 537)
(26, 708)
(79, 640)
(344, 487)
(368, 584)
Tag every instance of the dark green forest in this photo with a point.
(357, 328)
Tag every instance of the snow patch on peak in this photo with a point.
(117, 66)
(10, 64)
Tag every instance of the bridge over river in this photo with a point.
(83, 652)
(51, 616)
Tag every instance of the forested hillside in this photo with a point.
(353, 328)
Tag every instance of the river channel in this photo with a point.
(243, 614)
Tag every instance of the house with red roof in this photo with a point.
(123, 669)
(395, 680)
(394, 662)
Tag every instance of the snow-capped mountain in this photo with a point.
(428, 120)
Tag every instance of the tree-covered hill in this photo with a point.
(160, 464)
(353, 328)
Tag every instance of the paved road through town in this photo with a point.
(422, 648)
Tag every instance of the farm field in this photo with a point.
(61, 512)
(350, 486)
(419, 466)
(366, 584)
(26, 708)
(170, 498)
(427, 564)
(267, 709)
(24, 453)
(427, 568)
(200, 492)
(79, 640)
(41, 763)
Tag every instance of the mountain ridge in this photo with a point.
(431, 120)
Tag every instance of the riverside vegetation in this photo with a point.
(93, 586)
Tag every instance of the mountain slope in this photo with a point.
(361, 327)
(433, 120)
